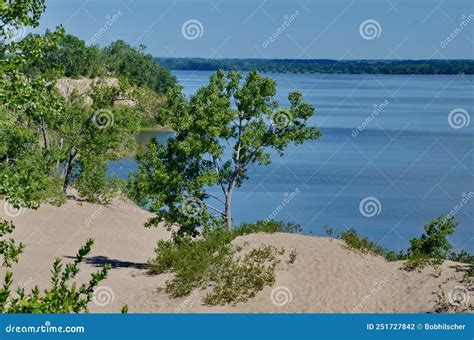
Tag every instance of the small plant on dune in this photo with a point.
(293, 255)
(329, 231)
(239, 280)
(432, 248)
(363, 244)
(198, 263)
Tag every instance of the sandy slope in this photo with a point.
(326, 276)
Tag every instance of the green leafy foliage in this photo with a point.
(223, 129)
(239, 280)
(433, 246)
(140, 68)
(31, 113)
(210, 260)
(71, 57)
(9, 249)
(63, 296)
(363, 244)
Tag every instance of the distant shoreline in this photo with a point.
(324, 66)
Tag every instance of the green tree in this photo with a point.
(223, 129)
(140, 68)
(29, 107)
(434, 243)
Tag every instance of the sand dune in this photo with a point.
(326, 276)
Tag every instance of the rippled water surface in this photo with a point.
(406, 160)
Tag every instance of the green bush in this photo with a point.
(64, 296)
(363, 244)
(198, 262)
(266, 226)
(239, 280)
(433, 247)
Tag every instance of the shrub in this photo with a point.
(240, 280)
(432, 248)
(198, 262)
(266, 226)
(64, 296)
(363, 244)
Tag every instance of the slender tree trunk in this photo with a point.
(45, 135)
(228, 212)
(228, 203)
(68, 169)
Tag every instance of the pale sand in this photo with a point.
(326, 276)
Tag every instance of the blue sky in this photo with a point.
(406, 29)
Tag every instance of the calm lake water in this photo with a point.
(387, 141)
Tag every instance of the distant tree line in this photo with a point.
(323, 65)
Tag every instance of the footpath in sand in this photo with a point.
(326, 277)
